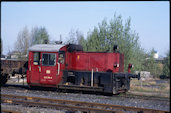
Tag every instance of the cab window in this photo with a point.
(48, 59)
(61, 57)
(36, 58)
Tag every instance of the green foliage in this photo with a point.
(106, 34)
(39, 35)
(82, 42)
(166, 68)
(103, 37)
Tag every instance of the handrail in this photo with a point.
(58, 68)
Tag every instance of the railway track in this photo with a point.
(124, 95)
(86, 107)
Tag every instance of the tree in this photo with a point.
(151, 65)
(166, 68)
(26, 39)
(94, 41)
(71, 37)
(39, 36)
(22, 43)
(79, 37)
(75, 37)
(103, 37)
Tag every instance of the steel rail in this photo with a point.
(74, 104)
(9, 111)
(126, 95)
(59, 106)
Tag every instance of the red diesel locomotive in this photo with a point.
(69, 67)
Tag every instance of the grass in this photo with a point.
(151, 87)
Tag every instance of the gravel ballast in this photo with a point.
(115, 100)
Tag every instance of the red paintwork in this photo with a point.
(33, 72)
(86, 61)
(41, 77)
(51, 80)
(77, 61)
(102, 62)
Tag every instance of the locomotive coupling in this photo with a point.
(134, 76)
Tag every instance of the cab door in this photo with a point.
(48, 75)
(34, 67)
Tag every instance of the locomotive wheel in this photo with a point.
(3, 79)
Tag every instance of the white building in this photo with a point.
(156, 56)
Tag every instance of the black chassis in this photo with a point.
(110, 82)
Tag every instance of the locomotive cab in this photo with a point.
(43, 65)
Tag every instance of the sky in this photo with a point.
(150, 19)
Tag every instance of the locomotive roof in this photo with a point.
(46, 47)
